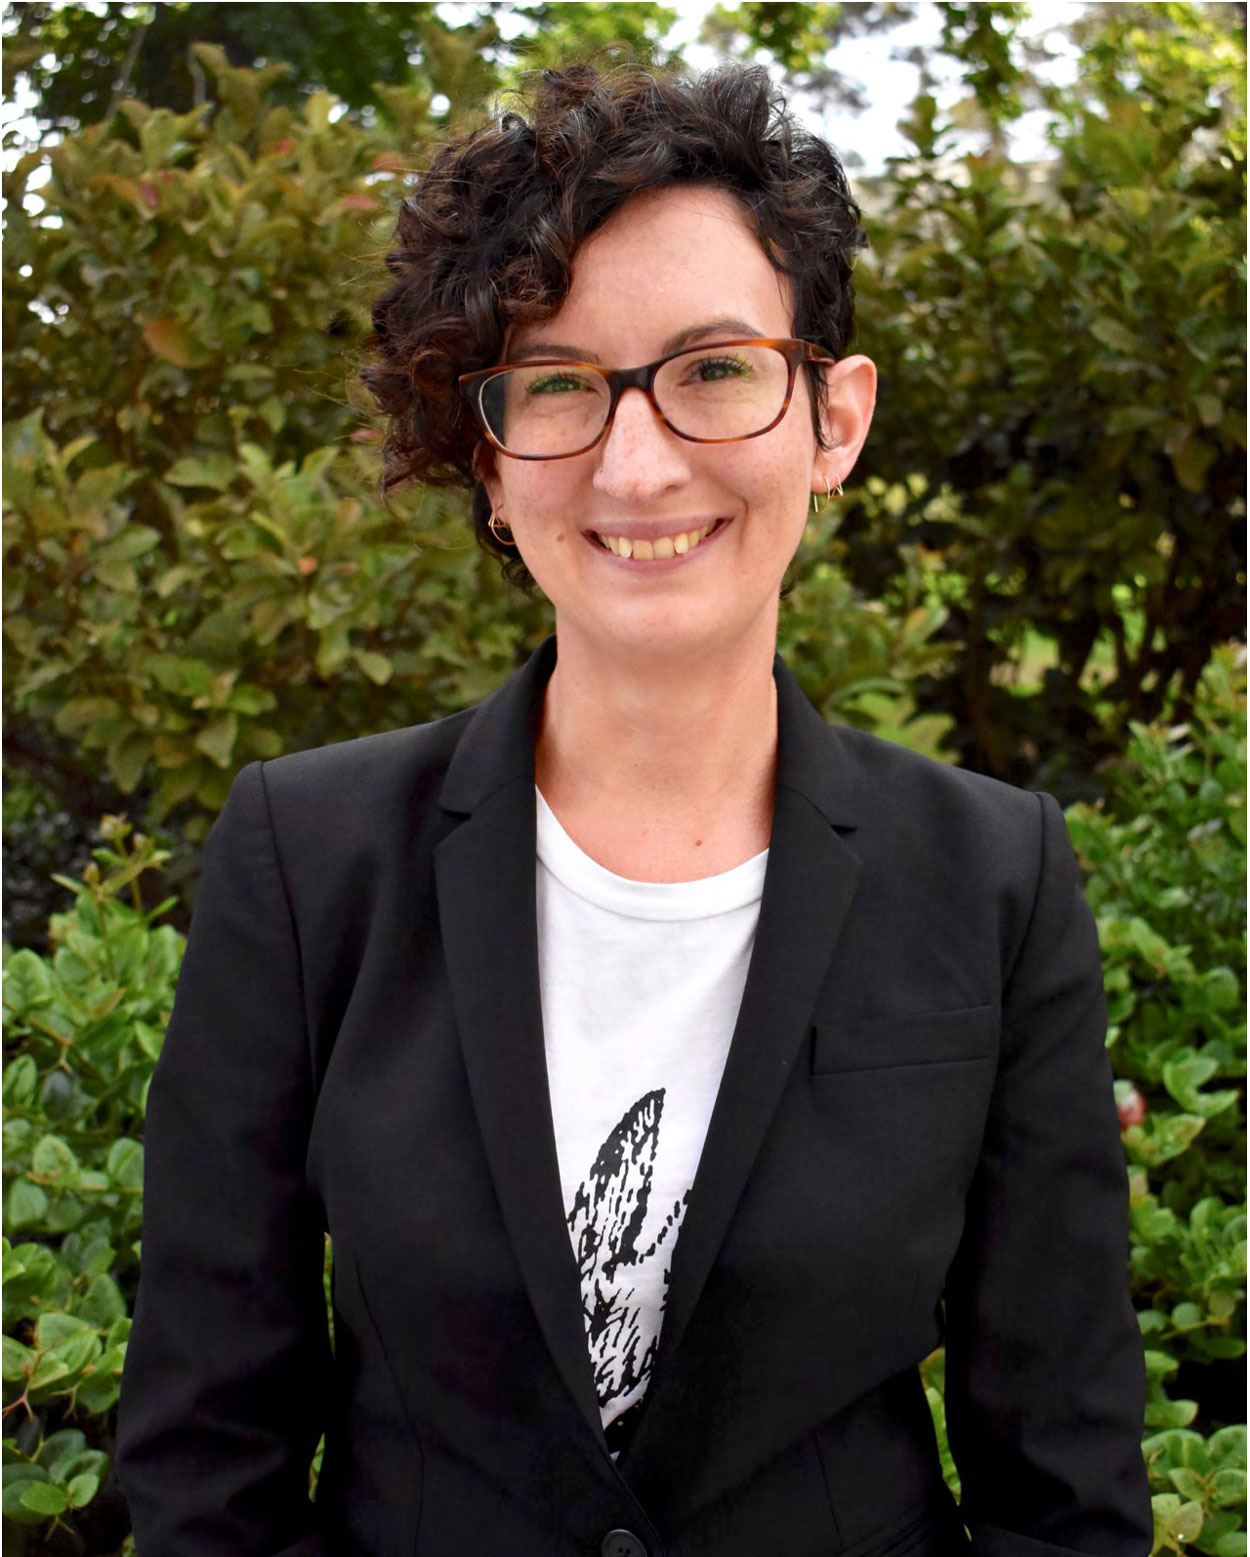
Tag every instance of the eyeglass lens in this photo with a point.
(712, 392)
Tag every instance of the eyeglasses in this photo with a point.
(552, 409)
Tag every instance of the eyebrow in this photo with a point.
(727, 328)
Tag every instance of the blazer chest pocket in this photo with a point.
(886, 1042)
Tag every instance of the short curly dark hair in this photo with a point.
(487, 240)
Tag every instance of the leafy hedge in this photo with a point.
(1062, 357)
(1166, 857)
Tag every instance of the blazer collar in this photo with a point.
(497, 748)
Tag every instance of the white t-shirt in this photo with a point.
(641, 983)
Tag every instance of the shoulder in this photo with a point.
(927, 819)
(327, 807)
(368, 770)
(895, 770)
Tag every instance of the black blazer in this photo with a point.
(914, 1141)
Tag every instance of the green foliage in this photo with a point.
(859, 661)
(79, 62)
(1202, 1503)
(83, 1028)
(1166, 856)
(197, 570)
(1062, 361)
(1167, 860)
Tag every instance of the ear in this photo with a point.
(851, 394)
(487, 470)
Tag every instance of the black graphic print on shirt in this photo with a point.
(606, 1225)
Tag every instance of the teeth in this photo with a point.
(664, 546)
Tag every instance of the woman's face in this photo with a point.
(680, 261)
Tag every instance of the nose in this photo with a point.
(639, 457)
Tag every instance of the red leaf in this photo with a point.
(171, 340)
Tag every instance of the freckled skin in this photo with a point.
(691, 253)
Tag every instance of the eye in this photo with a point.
(712, 370)
(561, 382)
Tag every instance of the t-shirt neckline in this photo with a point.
(733, 889)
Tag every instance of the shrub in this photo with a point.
(83, 1028)
(1062, 358)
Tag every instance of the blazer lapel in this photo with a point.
(809, 885)
(486, 899)
(486, 893)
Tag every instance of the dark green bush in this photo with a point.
(1062, 356)
(83, 1028)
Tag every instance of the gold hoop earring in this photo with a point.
(830, 492)
(494, 524)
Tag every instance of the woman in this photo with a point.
(671, 1071)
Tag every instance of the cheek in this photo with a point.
(542, 503)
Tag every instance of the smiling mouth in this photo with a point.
(661, 547)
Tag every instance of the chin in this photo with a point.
(676, 629)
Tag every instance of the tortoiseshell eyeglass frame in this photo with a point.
(618, 380)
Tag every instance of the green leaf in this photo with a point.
(21, 1079)
(376, 666)
(120, 576)
(19, 1360)
(128, 759)
(52, 1158)
(102, 1303)
(1186, 1523)
(216, 471)
(216, 740)
(1228, 1488)
(82, 1489)
(27, 1205)
(135, 540)
(59, 1447)
(1132, 418)
(66, 1359)
(27, 983)
(1121, 339)
(55, 1328)
(1189, 1484)
(17, 1478)
(42, 1497)
(1192, 461)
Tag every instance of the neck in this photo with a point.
(674, 738)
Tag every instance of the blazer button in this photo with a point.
(622, 1543)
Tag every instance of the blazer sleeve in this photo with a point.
(228, 1361)
(1045, 1375)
